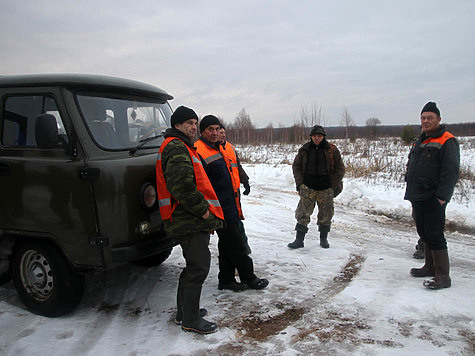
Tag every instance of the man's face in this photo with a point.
(211, 133)
(188, 128)
(222, 135)
(430, 122)
(317, 139)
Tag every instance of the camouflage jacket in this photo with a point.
(180, 177)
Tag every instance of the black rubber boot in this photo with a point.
(298, 242)
(419, 253)
(428, 270)
(442, 269)
(324, 236)
(179, 315)
(257, 283)
(192, 320)
(233, 285)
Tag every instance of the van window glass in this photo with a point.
(32, 121)
(123, 122)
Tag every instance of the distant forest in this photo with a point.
(248, 134)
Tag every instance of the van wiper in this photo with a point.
(143, 142)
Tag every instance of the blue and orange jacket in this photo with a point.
(221, 174)
(433, 167)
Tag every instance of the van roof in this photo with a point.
(82, 81)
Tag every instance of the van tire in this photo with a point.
(44, 280)
(154, 260)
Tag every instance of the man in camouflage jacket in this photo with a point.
(191, 220)
(318, 172)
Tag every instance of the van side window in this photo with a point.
(32, 121)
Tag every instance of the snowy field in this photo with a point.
(356, 298)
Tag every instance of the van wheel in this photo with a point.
(44, 280)
(154, 260)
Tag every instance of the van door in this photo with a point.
(41, 192)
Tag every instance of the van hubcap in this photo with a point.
(36, 275)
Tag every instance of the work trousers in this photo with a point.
(197, 259)
(430, 222)
(233, 255)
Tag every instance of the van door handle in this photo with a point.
(4, 169)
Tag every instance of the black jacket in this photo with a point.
(432, 167)
(335, 166)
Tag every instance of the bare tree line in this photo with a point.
(243, 131)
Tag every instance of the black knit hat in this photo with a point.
(318, 130)
(431, 106)
(208, 120)
(182, 114)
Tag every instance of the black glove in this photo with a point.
(247, 188)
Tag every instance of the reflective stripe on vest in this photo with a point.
(437, 142)
(211, 154)
(203, 185)
(213, 158)
(164, 202)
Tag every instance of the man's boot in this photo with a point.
(419, 253)
(324, 230)
(298, 242)
(192, 320)
(442, 269)
(428, 270)
(179, 306)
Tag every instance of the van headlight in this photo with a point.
(145, 228)
(148, 195)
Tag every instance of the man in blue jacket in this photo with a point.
(231, 247)
(432, 171)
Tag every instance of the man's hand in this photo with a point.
(206, 215)
(247, 188)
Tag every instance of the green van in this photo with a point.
(77, 182)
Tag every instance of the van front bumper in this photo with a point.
(126, 253)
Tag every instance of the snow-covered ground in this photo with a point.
(355, 298)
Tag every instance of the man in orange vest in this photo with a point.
(231, 247)
(432, 171)
(190, 209)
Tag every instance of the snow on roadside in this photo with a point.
(355, 298)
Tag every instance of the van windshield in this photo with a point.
(123, 122)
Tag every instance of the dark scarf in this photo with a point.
(173, 132)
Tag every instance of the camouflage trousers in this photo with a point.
(306, 206)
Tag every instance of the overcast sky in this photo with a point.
(381, 59)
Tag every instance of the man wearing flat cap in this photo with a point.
(318, 172)
(432, 171)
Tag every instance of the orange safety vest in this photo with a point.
(210, 154)
(437, 142)
(230, 153)
(202, 184)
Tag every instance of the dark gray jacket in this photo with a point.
(433, 167)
